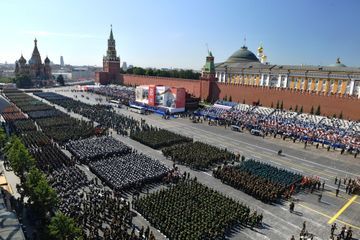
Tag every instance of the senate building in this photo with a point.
(244, 68)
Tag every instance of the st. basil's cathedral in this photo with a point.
(35, 69)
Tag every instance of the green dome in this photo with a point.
(337, 64)
(242, 55)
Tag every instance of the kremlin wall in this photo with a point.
(330, 105)
(243, 77)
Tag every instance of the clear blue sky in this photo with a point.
(174, 33)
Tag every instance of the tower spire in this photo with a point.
(35, 41)
(111, 33)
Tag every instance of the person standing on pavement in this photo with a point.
(320, 197)
(333, 228)
(292, 206)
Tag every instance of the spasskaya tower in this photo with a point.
(111, 64)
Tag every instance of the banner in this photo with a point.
(152, 95)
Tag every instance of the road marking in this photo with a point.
(297, 170)
(340, 196)
(284, 209)
(250, 148)
(276, 163)
(295, 165)
(309, 165)
(327, 170)
(327, 216)
(207, 173)
(342, 209)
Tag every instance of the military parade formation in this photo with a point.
(105, 200)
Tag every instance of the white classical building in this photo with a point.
(243, 67)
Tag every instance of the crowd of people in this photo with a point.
(158, 138)
(49, 158)
(186, 210)
(62, 134)
(94, 148)
(44, 113)
(34, 139)
(260, 180)
(68, 128)
(190, 210)
(345, 233)
(121, 93)
(12, 113)
(23, 125)
(333, 132)
(97, 113)
(100, 213)
(352, 185)
(198, 155)
(128, 171)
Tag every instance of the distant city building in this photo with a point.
(62, 64)
(35, 69)
(82, 73)
(124, 66)
(111, 64)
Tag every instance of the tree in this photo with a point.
(312, 110)
(244, 101)
(277, 104)
(60, 80)
(19, 157)
(32, 180)
(272, 105)
(318, 112)
(290, 108)
(6, 80)
(225, 98)
(230, 99)
(62, 227)
(149, 72)
(296, 108)
(334, 115)
(23, 81)
(130, 71)
(301, 109)
(41, 196)
(282, 105)
(139, 71)
(2, 137)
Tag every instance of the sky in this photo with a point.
(176, 33)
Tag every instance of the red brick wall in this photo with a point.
(102, 78)
(191, 86)
(329, 105)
